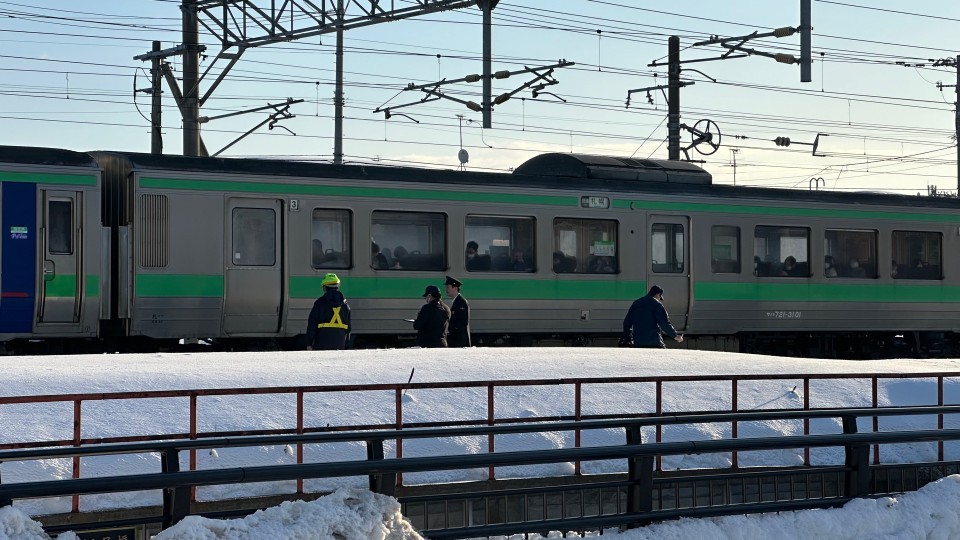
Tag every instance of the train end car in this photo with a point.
(52, 248)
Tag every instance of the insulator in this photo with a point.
(474, 106)
(472, 78)
(501, 99)
(784, 58)
(785, 31)
(503, 74)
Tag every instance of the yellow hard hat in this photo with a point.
(330, 280)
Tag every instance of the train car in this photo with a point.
(233, 250)
(50, 254)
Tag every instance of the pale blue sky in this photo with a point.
(69, 75)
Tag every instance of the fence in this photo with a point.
(855, 472)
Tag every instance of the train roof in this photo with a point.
(614, 168)
(589, 174)
(31, 155)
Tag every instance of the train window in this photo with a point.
(725, 249)
(916, 255)
(60, 227)
(330, 238)
(499, 244)
(666, 248)
(850, 254)
(408, 241)
(585, 246)
(254, 237)
(154, 221)
(781, 252)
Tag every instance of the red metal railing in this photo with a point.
(491, 418)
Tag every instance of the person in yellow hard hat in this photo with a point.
(328, 326)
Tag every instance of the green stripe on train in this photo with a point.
(179, 285)
(46, 178)
(346, 191)
(475, 288)
(66, 286)
(61, 286)
(212, 286)
(819, 292)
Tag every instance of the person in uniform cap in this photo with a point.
(328, 326)
(459, 333)
(645, 320)
(433, 321)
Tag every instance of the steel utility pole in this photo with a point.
(338, 92)
(191, 79)
(673, 98)
(156, 137)
(955, 62)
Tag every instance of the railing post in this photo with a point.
(4, 500)
(857, 461)
(176, 501)
(385, 484)
(640, 476)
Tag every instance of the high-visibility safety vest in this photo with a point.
(335, 321)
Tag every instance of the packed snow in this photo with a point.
(354, 513)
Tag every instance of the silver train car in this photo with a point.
(167, 248)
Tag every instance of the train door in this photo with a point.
(253, 276)
(61, 252)
(669, 265)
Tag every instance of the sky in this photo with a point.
(69, 77)
(932, 513)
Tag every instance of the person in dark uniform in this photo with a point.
(433, 320)
(645, 320)
(328, 326)
(459, 334)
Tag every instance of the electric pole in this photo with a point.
(156, 137)
(673, 98)
(191, 79)
(955, 62)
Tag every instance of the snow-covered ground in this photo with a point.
(929, 513)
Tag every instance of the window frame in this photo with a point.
(348, 241)
(579, 223)
(444, 228)
(532, 249)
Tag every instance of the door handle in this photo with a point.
(49, 272)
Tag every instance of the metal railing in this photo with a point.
(855, 473)
(578, 387)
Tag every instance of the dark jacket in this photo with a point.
(459, 334)
(328, 325)
(644, 321)
(432, 323)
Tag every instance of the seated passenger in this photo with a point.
(317, 252)
(377, 260)
(518, 263)
(602, 265)
(558, 262)
(399, 253)
(854, 270)
(789, 267)
(470, 255)
(829, 268)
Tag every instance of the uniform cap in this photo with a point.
(453, 281)
(432, 290)
(655, 290)
(330, 280)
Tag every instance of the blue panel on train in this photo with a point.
(18, 272)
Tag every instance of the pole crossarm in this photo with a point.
(432, 89)
(728, 43)
(243, 23)
(660, 87)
